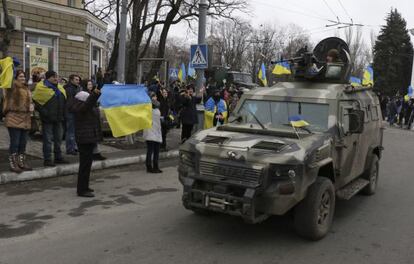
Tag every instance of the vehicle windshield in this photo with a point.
(275, 114)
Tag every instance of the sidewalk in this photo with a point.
(118, 152)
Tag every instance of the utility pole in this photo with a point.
(122, 43)
(202, 17)
(121, 53)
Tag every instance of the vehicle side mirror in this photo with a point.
(236, 119)
(356, 121)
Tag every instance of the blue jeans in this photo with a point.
(18, 140)
(52, 135)
(70, 134)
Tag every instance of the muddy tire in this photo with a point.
(372, 176)
(314, 214)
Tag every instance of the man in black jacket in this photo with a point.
(72, 88)
(50, 101)
(188, 113)
(165, 109)
(87, 133)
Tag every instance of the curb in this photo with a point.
(64, 170)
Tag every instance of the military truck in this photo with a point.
(262, 163)
(223, 76)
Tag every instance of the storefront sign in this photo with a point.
(39, 58)
(96, 32)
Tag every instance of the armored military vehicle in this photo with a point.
(294, 147)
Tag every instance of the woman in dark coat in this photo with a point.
(88, 134)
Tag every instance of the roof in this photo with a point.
(311, 90)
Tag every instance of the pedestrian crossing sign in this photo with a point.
(199, 56)
(173, 74)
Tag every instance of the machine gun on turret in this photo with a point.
(312, 66)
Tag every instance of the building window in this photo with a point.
(96, 59)
(40, 53)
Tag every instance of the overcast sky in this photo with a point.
(313, 15)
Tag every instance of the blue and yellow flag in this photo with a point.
(355, 81)
(127, 108)
(282, 68)
(43, 92)
(181, 73)
(6, 72)
(368, 78)
(297, 121)
(262, 75)
(191, 71)
(211, 108)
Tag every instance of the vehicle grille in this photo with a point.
(231, 173)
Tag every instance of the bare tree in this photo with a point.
(231, 42)
(5, 42)
(360, 54)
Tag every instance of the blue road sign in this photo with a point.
(199, 56)
(173, 73)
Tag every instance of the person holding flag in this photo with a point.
(17, 109)
(215, 112)
(50, 102)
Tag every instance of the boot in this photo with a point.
(14, 167)
(21, 161)
(156, 169)
(149, 169)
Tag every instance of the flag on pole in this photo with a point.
(191, 71)
(368, 78)
(282, 68)
(262, 75)
(355, 81)
(127, 108)
(297, 121)
(181, 73)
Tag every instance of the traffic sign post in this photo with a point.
(199, 56)
(173, 74)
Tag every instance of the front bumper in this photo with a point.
(253, 204)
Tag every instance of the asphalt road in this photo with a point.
(138, 218)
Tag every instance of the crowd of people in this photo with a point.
(398, 110)
(68, 110)
(57, 104)
(176, 107)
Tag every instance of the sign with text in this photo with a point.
(39, 58)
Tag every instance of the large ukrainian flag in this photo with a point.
(6, 72)
(127, 108)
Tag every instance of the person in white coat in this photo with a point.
(153, 137)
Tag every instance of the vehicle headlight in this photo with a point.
(284, 172)
(291, 173)
(187, 158)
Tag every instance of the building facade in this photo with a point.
(56, 35)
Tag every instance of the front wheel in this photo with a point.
(314, 214)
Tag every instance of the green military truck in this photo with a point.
(222, 76)
(263, 163)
